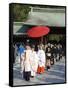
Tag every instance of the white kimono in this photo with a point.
(42, 58)
(34, 63)
(27, 65)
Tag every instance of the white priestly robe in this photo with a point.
(27, 65)
(34, 63)
(42, 58)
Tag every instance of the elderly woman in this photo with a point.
(42, 60)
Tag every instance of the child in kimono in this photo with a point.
(42, 60)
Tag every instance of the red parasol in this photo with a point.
(38, 31)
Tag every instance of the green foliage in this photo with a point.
(55, 37)
(20, 12)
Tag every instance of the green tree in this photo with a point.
(20, 12)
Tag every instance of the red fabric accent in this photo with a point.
(40, 70)
(38, 31)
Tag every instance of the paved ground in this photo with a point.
(55, 75)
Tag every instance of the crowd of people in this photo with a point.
(33, 62)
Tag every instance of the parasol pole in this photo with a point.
(42, 39)
(45, 40)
